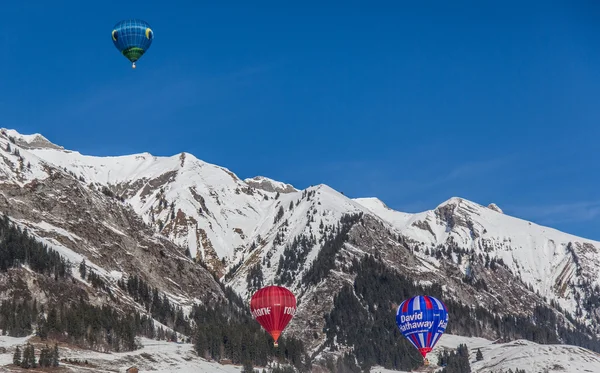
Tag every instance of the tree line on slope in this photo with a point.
(79, 323)
(222, 331)
(159, 307)
(226, 333)
(363, 316)
(334, 241)
(19, 248)
(295, 253)
(26, 360)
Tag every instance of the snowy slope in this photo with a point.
(81, 223)
(155, 356)
(233, 224)
(521, 354)
(221, 218)
(213, 211)
(166, 357)
(303, 214)
(539, 255)
(500, 357)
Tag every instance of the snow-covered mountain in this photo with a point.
(261, 231)
(552, 262)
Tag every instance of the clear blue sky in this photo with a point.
(410, 103)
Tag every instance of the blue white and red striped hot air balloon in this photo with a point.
(422, 320)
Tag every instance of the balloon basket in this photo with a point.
(275, 344)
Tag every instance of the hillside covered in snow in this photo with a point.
(167, 357)
(190, 228)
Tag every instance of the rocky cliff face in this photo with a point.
(165, 218)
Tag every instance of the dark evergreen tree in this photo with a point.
(456, 361)
(55, 357)
(248, 367)
(254, 279)
(17, 356)
(479, 355)
(82, 269)
(28, 360)
(279, 215)
(45, 357)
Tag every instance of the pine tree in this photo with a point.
(55, 356)
(28, 360)
(44, 357)
(479, 355)
(279, 215)
(248, 367)
(17, 357)
(25, 359)
(82, 269)
(32, 361)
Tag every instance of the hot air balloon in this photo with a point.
(132, 38)
(273, 307)
(422, 320)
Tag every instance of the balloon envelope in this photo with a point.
(132, 38)
(422, 320)
(273, 307)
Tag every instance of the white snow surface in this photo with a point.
(226, 210)
(536, 253)
(180, 357)
(223, 216)
(274, 183)
(521, 354)
(154, 356)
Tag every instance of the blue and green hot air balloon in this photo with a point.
(132, 38)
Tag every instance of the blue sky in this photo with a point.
(412, 103)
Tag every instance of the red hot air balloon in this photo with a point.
(273, 307)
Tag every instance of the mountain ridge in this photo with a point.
(315, 241)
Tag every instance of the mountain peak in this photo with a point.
(493, 206)
(372, 202)
(33, 141)
(307, 240)
(453, 201)
(270, 185)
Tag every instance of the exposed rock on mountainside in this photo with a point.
(164, 218)
(268, 185)
(495, 207)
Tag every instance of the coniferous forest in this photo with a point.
(18, 248)
(456, 361)
(364, 317)
(225, 331)
(25, 359)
